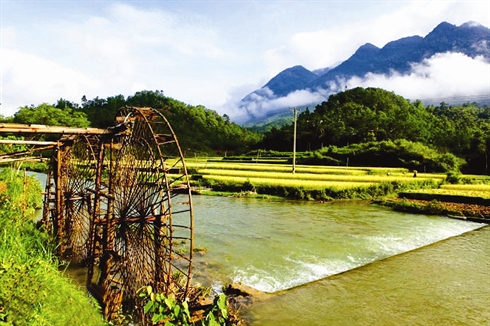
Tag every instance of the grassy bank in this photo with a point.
(32, 290)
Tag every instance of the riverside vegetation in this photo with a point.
(32, 289)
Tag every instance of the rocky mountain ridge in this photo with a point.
(470, 39)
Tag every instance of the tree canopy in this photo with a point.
(46, 114)
(199, 130)
(356, 116)
(363, 115)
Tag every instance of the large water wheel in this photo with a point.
(120, 202)
(144, 235)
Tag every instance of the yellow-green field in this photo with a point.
(312, 177)
(307, 177)
(307, 184)
(478, 190)
(304, 176)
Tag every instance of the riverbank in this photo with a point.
(464, 211)
(32, 290)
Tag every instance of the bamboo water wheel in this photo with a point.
(119, 201)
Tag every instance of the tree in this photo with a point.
(46, 114)
(361, 115)
(101, 112)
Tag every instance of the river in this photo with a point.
(344, 263)
(347, 263)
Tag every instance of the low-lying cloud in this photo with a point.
(442, 77)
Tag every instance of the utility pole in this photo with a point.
(295, 112)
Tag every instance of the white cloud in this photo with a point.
(328, 47)
(112, 52)
(442, 76)
(28, 79)
(197, 53)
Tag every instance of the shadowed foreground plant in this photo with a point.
(165, 310)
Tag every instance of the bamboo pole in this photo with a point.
(42, 129)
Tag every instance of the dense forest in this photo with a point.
(361, 126)
(200, 131)
(367, 118)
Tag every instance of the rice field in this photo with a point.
(313, 177)
(287, 168)
(479, 190)
(303, 177)
(472, 187)
(306, 184)
(307, 177)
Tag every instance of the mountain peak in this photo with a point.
(396, 57)
(368, 46)
(472, 24)
(445, 26)
(289, 79)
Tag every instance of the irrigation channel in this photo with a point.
(345, 263)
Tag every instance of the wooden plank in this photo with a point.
(28, 142)
(42, 129)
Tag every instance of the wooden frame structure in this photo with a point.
(118, 200)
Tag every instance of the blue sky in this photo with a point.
(210, 53)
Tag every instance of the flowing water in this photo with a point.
(447, 283)
(342, 263)
(287, 246)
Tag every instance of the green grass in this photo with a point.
(32, 290)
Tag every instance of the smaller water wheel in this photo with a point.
(146, 236)
(69, 195)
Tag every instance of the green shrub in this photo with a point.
(398, 153)
(248, 186)
(453, 178)
(165, 309)
(435, 207)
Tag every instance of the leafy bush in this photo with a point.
(453, 178)
(161, 309)
(19, 192)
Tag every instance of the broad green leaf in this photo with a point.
(177, 310)
(157, 317)
(148, 306)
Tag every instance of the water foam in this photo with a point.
(297, 271)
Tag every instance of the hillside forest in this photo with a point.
(360, 126)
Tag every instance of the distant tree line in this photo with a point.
(199, 130)
(374, 115)
(361, 126)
